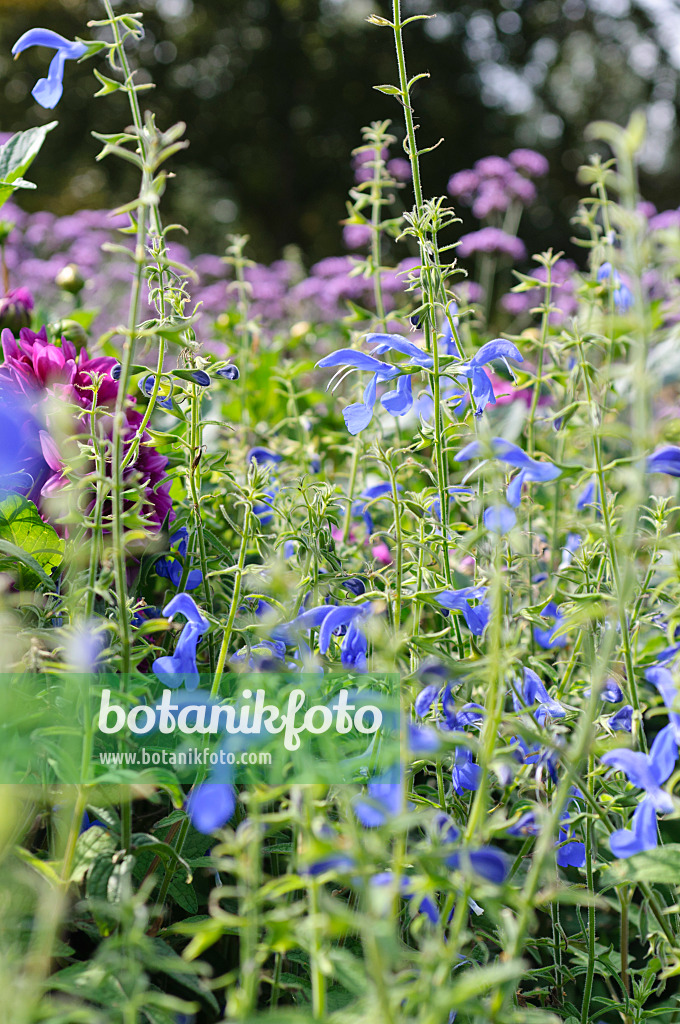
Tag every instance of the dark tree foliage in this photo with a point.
(275, 92)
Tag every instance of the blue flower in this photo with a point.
(487, 861)
(146, 386)
(665, 460)
(447, 342)
(661, 677)
(264, 510)
(385, 342)
(171, 568)
(398, 402)
(465, 774)
(263, 456)
(588, 495)
(355, 586)
(641, 836)
(48, 91)
(570, 852)
(649, 771)
(200, 377)
(530, 470)
(210, 806)
(622, 721)
(229, 372)
(180, 667)
(546, 638)
(623, 297)
(327, 619)
(526, 825)
(611, 692)
(426, 699)
(482, 389)
(339, 862)
(532, 692)
(358, 415)
(477, 615)
(422, 739)
(499, 519)
(384, 800)
(371, 494)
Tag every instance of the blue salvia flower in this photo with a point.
(397, 402)
(425, 904)
(48, 91)
(180, 667)
(611, 692)
(530, 470)
(649, 771)
(229, 372)
(425, 699)
(499, 519)
(572, 544)
(476, 615)
(623, 297)
(661, 677)
(355, 586)
(547, 637)
(210, 806)
(526, 825)
(465, 774)
(622, 721)
(532, 692)
(200, 377)
(447, 342)
(371, 494)
(384, 800)
(665, 460)
(422, 739)
(327, 619)
(641, 836)
(146, 386)
(571, 852)
(482, 389)
(488, 862)
(588, 495)
(263, 456)
(386, 342)
(171, 568)
(336, 862)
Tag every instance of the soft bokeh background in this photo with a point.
(275, 93)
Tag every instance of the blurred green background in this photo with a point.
(275, 92)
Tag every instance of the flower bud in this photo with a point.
(71, 330)
(69, 279)
(15, 309)
(230, 372)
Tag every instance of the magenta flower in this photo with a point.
(530, 162)
(33, 369)
(16, 308)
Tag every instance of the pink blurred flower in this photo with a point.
(381, 553)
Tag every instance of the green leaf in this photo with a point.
(661, 864)
(17, 155)
(389, 90)
(108, 84)
(29, 547)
